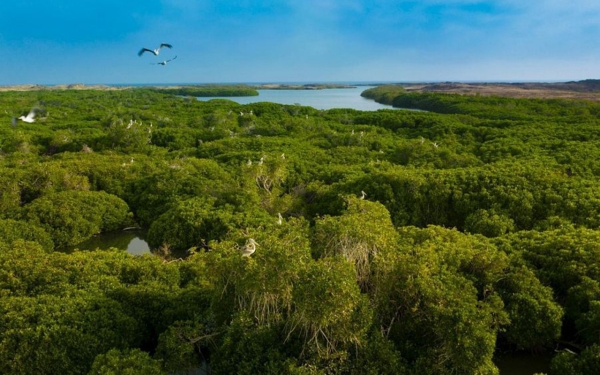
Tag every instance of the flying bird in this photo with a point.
(30, 116)
(155, 52)
(249, 248)
(164, 62)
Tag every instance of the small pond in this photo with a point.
(133, 241)
(523, 363)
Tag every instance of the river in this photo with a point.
(319, 99)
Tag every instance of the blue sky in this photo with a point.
(96, 41)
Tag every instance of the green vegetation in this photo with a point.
(479, 234)
(209, 91)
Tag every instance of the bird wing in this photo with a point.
(145, 50)
(32, 113)
(165, 45)
(171, 59)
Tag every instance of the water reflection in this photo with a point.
(523, 363)
(319, 99)
(133, 241)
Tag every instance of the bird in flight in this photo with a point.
(155, 52)
(29, 118)
(164, 62)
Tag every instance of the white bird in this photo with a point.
(363, 194)
(249, 248)
(435, 144)
(280, 220)
(163, 63)
(155, 52)
(30, 116)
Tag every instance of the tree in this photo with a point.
(128, 362)
(71, 217)
(363, 232)
(11, 230)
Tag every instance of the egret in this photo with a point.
(280, 220)
(249, 248)
(163, 63)
(363, 194)
(30, 116)
(435, 144)
(155, 52)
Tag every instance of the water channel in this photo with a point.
(319, 99)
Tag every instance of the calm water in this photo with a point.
(523, 363)
(319, 99)
(132, 241)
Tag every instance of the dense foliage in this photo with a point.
(477, 234)
(209, 91)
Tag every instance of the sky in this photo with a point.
(243, 41)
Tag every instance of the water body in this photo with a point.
(523, 363)
(132, 241)
(319, 99)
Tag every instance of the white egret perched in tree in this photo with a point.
(249, 248)
(163, 63)
(363, 194)
(155, 52)
(280, 219)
